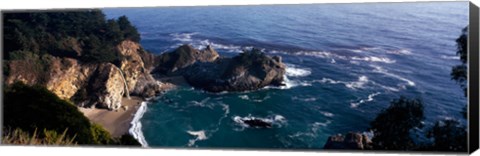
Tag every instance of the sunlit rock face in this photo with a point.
(100, 85)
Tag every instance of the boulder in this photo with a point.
(352, 141)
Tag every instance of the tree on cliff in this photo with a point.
(393, 126)
(85, 34)
(450, 134)
(459, 72)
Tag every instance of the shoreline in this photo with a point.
(126, 120)
(117, 123)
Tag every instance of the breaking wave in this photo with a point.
(451, 57)
(370, 98)
(360, 83)
(379, 69)
(373, 59)
(183, 37)
(400, 52)
(295, 71)
(136, 128)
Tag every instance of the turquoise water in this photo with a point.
(346, 62)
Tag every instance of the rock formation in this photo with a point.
(352, 141)
(90, 85)
(184, 56)
(204, 69)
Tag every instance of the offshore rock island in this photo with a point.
(206, 69)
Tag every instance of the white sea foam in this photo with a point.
(200, 135)
(363, 49)
(400, 52)
(183, 37)
(201, 103)
(379, 69)
(312, 132)
(320, 54)
(245, 97)
(230, 48)
(360, 83)
(450, 57)
(295, 71)
(327, 114)
(316, 125)
(362, 80)
(369, 98)
(333, 61)
(261, 100)
(275, 120)
(373, 59)
(304, 99)
(289, 84)
(136, 128)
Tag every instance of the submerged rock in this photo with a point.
(353, 141)
(257, 123)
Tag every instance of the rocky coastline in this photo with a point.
(108, 93)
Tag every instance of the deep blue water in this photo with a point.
(346, 62)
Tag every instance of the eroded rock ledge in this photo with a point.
(350, 141)
(205, 69)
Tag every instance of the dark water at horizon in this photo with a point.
(346, 62)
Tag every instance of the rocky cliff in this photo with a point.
(350, 141)
(205, 69)
(90, 84)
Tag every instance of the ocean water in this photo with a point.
(346, 62)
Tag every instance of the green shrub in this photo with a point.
(100, 135)
(448, 135)
(31, 108)
(47, 137)
(392, 126)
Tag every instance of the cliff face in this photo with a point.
(90, 85)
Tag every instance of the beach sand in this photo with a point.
(115, 122)
(118, 122)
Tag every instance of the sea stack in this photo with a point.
(205, 69)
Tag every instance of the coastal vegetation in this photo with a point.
(42, 45)
(392, 127)
(20, 137)
(28, 109)
(84, 34)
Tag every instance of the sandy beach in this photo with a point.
(118, 122)
(115, 122)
